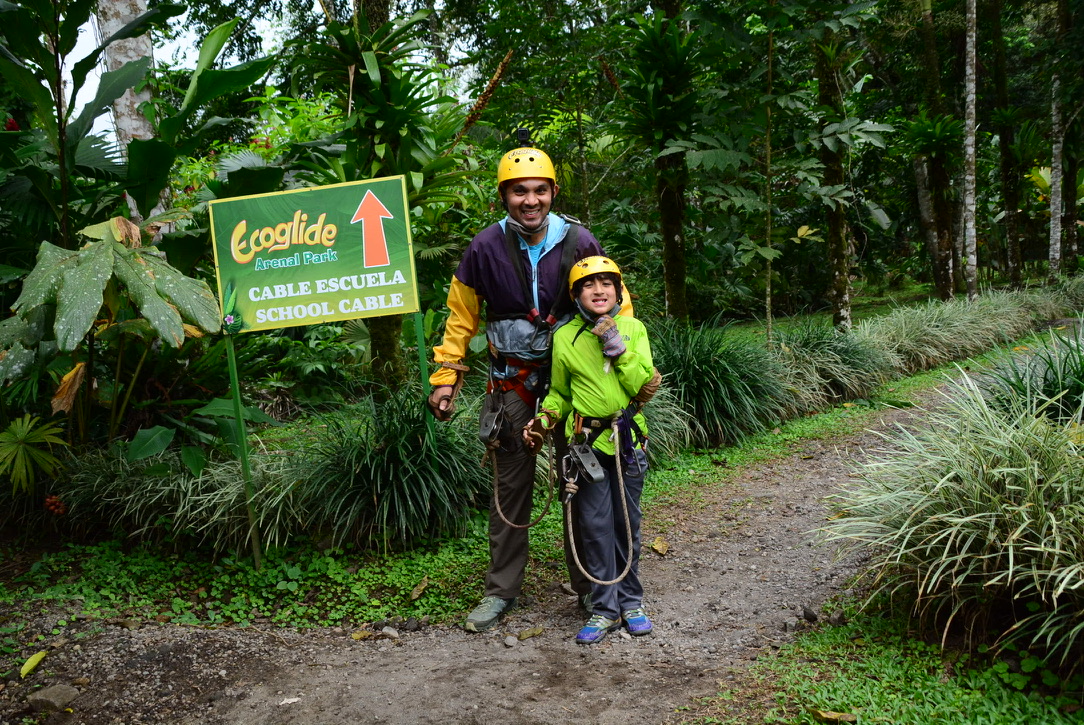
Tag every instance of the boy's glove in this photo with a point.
(609, 336)
(535, 432)
(647, 392)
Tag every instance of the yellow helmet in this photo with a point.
(589, 266)
(525, 163)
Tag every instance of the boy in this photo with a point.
(594, 381)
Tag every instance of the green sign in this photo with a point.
(300, 257)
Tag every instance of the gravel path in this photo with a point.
(741, 574)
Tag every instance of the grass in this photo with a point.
(875, 669)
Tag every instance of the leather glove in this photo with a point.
(441, 401)
(535, 432)
(609, 336)
(647, 392)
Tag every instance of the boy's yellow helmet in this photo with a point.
(525, 163)
(589, 266)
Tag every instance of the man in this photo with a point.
(518, 270)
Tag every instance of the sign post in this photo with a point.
(306, 256)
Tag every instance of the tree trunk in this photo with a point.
(1069, 226)
(928, 224)
(671, 172)
(388, 363)
(970, 242)
(839, 251)
(1057, 133)
(129, 121)
(376, 12)
(1010, 176)
(937, 178)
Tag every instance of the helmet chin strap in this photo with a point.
(524, 231)
(614, 312)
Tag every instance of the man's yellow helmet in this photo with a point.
(525, 163)
(589, 266)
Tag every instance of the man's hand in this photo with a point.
(441, 402)
(609, 336)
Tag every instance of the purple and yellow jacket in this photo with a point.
(486, 276)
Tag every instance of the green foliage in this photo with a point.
(831, 365)
(26, 449)
(391, 477)
(729, 383)
(932, 334)
(662, 92)
(303, 586)
(875, 669)
(670, 427)
(169, 495)
(1051, 376)
(75, 283)
(982, 515)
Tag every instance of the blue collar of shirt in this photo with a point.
(555, 232)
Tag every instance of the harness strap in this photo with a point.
(568, 255)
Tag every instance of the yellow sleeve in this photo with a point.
(464, 313)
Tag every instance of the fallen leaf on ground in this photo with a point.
(829, 716)
(417, 592)
(528, 633)
(31, 663)
(660, 545)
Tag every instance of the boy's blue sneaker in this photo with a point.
(596, 629)
(636, 622)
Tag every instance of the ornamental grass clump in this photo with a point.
(1051, 375)
(158, 498)
(935, 333)
(730, 384)
(832, 365)
(980, 517)
(379, 479)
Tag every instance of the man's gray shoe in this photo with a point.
(584, 601)
(488, 613)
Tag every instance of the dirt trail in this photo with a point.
(739, 571)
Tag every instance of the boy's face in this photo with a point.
(599, 295)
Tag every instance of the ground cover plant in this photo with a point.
(876, 668)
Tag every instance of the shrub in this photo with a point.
(832, 365)
(982, 514)
(731, 385)
(1051, 376)
(157, 498)
(670, 427)
(383, 478)
(935, 333)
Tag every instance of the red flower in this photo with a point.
(11, 125)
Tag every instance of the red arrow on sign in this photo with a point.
(370, 213)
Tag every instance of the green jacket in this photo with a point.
(581, 382)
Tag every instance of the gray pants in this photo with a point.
(605, 539)
(508, 549)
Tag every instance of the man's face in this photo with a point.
(529, 201)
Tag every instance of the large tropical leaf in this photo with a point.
(79, 297)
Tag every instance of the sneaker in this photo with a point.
(596, 629)
(636, 622)
(585, 601)
(488, 613)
